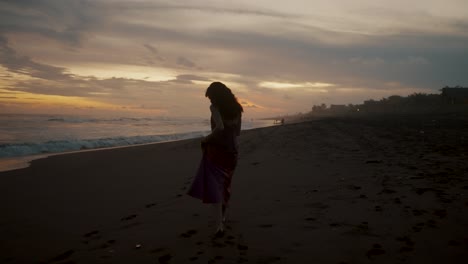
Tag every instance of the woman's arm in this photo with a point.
(218, 120)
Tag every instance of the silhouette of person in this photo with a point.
(212, 182)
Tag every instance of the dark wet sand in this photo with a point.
(387, 189)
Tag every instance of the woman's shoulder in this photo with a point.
(213, 108)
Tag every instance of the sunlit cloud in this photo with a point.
(283, 85)
(106, 71)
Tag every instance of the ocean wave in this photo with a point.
(78, 119)
(59, 146)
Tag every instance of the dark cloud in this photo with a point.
(154, 55)
(182, 61)
(199, 7)
(24, 65)
(188, 79)
(192, 77)
(152, 49)
(63, 21)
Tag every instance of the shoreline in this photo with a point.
(330, 191)
(20, 162)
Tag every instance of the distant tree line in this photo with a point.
(451, 98)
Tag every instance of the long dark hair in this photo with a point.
(223, 98)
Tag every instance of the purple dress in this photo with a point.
(212, 182)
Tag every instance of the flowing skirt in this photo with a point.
(212, 182)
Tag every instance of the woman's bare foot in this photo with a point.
(220, 230)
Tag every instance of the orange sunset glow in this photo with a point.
(157, 57)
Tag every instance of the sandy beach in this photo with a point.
(382, 189)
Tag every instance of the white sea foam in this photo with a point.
(24, 137)
(27, 149)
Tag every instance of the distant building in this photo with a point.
(456, 95)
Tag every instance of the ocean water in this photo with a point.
(23, 136)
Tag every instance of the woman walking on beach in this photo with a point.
(212, 182)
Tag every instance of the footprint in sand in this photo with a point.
(417, 212)
(217, 244)
(432, 223)
(130, 225)
(242, 247)
(67, 254)
(130, 217)
(242, 260)
(156, 250)
(188, 233)
(354, 187)
(387, 191)
(268, 260)
(408, 246)
(165, 258)
(375, 251)
(216, 258)
(442, 213)
(92, 233)
(150, 205)
(418, 227)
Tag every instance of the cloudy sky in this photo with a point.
(150, 57)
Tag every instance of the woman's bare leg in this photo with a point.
(224, 210)
(218, 209)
